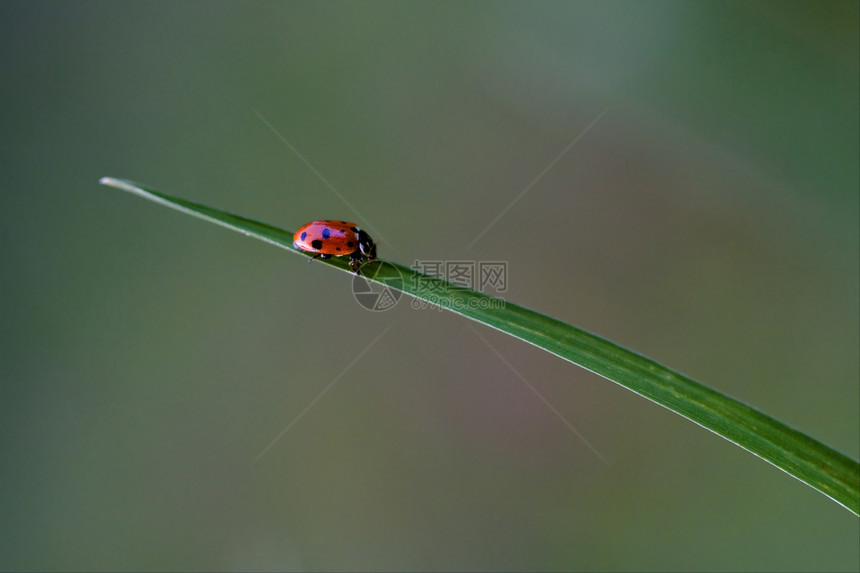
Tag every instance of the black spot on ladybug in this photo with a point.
(316, 243)
(326, 233)
(350, 244)
(337, 248)
(304, 235)
(354, 229)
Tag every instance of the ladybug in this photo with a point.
(336, 238)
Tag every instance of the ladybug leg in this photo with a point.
(355, 262)
(319, 256)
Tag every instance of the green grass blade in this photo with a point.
(832, 473)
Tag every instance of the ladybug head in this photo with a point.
(366, 245)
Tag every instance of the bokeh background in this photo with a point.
(708, 220)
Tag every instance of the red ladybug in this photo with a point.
(336, 238)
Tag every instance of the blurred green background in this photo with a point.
(709, 220)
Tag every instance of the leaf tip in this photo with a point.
(120, 184)
(110, 182)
